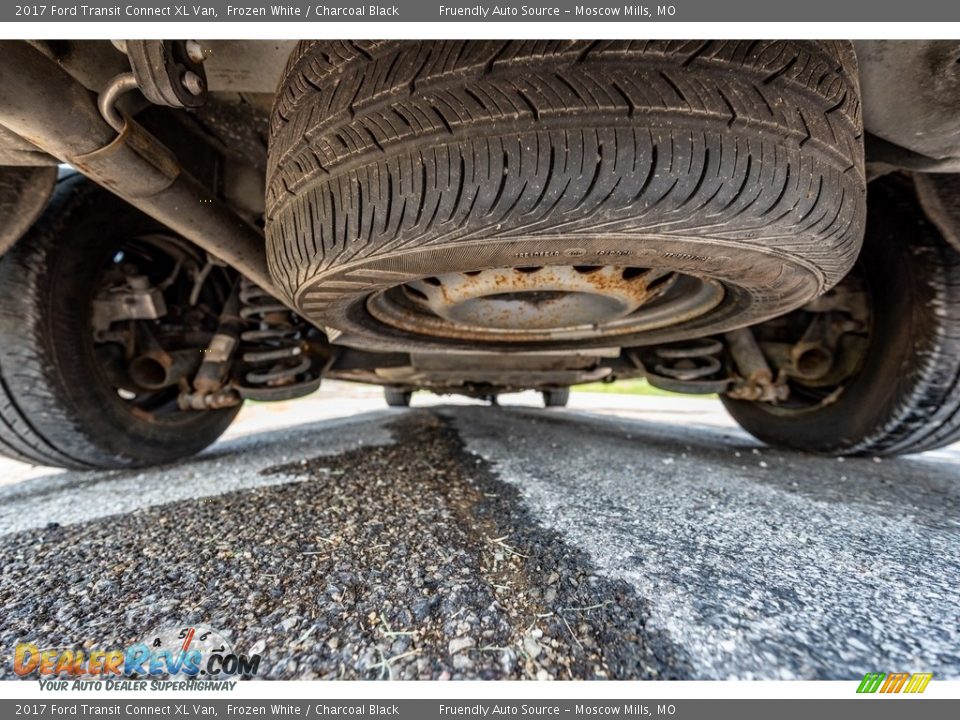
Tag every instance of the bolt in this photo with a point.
(195, 51)
(193, 83)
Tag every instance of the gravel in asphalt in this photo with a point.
(511, 542)
(759, 563)
(406, 560)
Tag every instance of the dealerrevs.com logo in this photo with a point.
(188, 657)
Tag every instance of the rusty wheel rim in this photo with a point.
(543, 303)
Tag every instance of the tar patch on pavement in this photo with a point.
(409, 560)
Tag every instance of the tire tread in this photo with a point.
(376, 147)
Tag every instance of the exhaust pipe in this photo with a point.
(42, 103)
(158, 369)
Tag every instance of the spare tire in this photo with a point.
(544, 195)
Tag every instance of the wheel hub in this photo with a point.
(544, 302)
(537, 298)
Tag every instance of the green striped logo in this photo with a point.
(871, 682)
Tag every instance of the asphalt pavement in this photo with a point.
(623, 537)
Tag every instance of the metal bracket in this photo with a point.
(169, 72)
(138, 300)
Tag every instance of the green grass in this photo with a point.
(637, 386)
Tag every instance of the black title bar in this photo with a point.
(440, 11)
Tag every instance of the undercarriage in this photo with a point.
(191, 224)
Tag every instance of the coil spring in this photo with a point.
(275, 354)
(690, 361)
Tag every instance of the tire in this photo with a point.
(24, 193)
(556, 397)
(55, 406)
(906, 396)
(738, 164)
(397, 397)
